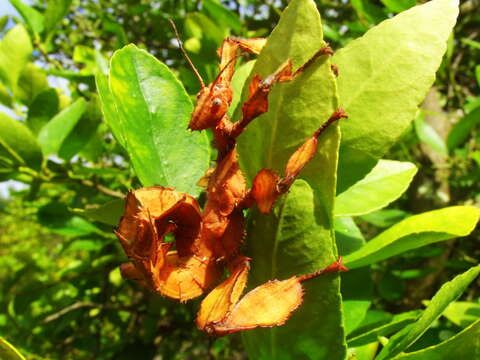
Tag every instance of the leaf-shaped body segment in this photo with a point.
(220, 301)
(150, 214)
(265, 306)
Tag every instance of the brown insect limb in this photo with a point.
(268, 186)
(180, 45)
(268, 305)
(257, 102)
(326, 50)
(221, 300)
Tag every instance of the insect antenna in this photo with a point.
(180, 44)
(217, 79)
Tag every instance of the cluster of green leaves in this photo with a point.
(69, 297)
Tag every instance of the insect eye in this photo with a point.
(217, 102)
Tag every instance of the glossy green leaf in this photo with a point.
(18, 145)
(222, 15)
(15, 50)
(109, 109)
(32, 17)
(384, 184)
(384, 75)
(462, 313)
(448, 293)
(152, 113)
(297, 237)
(54, 133)
(461, 131)
(8, 351)
(427, 134)
(396, 323)
(414, 232)
(465, 345)
(356, 285)
(42, 109)
(56, 11)
(83, 131)
(477, 74)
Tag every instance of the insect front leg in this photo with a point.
(268, 185)
(257, 101)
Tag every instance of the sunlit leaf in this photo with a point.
(54, 133)
(414, 232)
(384, 184)
(384, 75)
(148, 109)
(18, 144)
(15, 50)
(32, 17)
(8, 351)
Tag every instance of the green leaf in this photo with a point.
(414, 232)
(461, 131)
(464, 345)
(109, 109)
(8, 351)
(462, 313)
(222, 15)
(364, 352)
(57, 217)
(297, 237)
(32, 82)
(152, 113)
(42, 109)
(427, 134)
(15, 50)
(297, 108)
(238, 81)
(396, 323)
(356, 285)
(367, 10)
(32, 17)
(384, 184)
(109, 213)
(384, 75)
(448, 293)
(83, 131)
(56, 11)
(477, 73)
(397, 6)
(385, 218)
(53, 134)
(5, 97)
(18, 144)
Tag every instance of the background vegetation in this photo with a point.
(61, 294)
